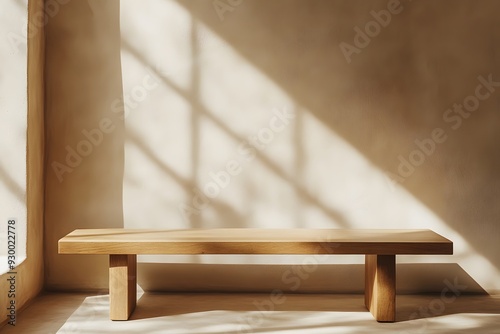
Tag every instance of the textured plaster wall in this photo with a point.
(275, 114)
(83, 77)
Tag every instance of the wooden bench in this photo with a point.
(380, 248)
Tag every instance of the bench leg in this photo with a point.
(380, 286)
(122, 286)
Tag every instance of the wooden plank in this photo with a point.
(380, 286)
(254, 241)
(122, 286)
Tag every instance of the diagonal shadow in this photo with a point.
(278, 171)
(394, 91)
(187, 185)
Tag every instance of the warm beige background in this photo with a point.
(83, 76)
(212, 83)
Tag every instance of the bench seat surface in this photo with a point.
(254, 241)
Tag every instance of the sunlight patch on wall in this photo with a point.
(212, 141)
(13, 113)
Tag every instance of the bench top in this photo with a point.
(254, 241)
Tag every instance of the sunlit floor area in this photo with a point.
(239, 313)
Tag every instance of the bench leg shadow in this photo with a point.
(380, 286)
(122, 286)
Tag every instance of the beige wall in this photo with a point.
(197, 87)
(83, 77)
(29, 277)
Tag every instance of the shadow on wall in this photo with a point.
(407, 81)
(340, 278)
(84, 138)
(394, 91)
(225, 210)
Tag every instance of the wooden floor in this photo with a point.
(239, 313)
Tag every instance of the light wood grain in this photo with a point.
(122, 286)
(254, 241)
(379, 246)
(380, 286)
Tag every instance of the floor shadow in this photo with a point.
(435, 277)
(444, 289)
(58, 307)
(204, 313)
(152, 305)
(430, 306)
(408, 307)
